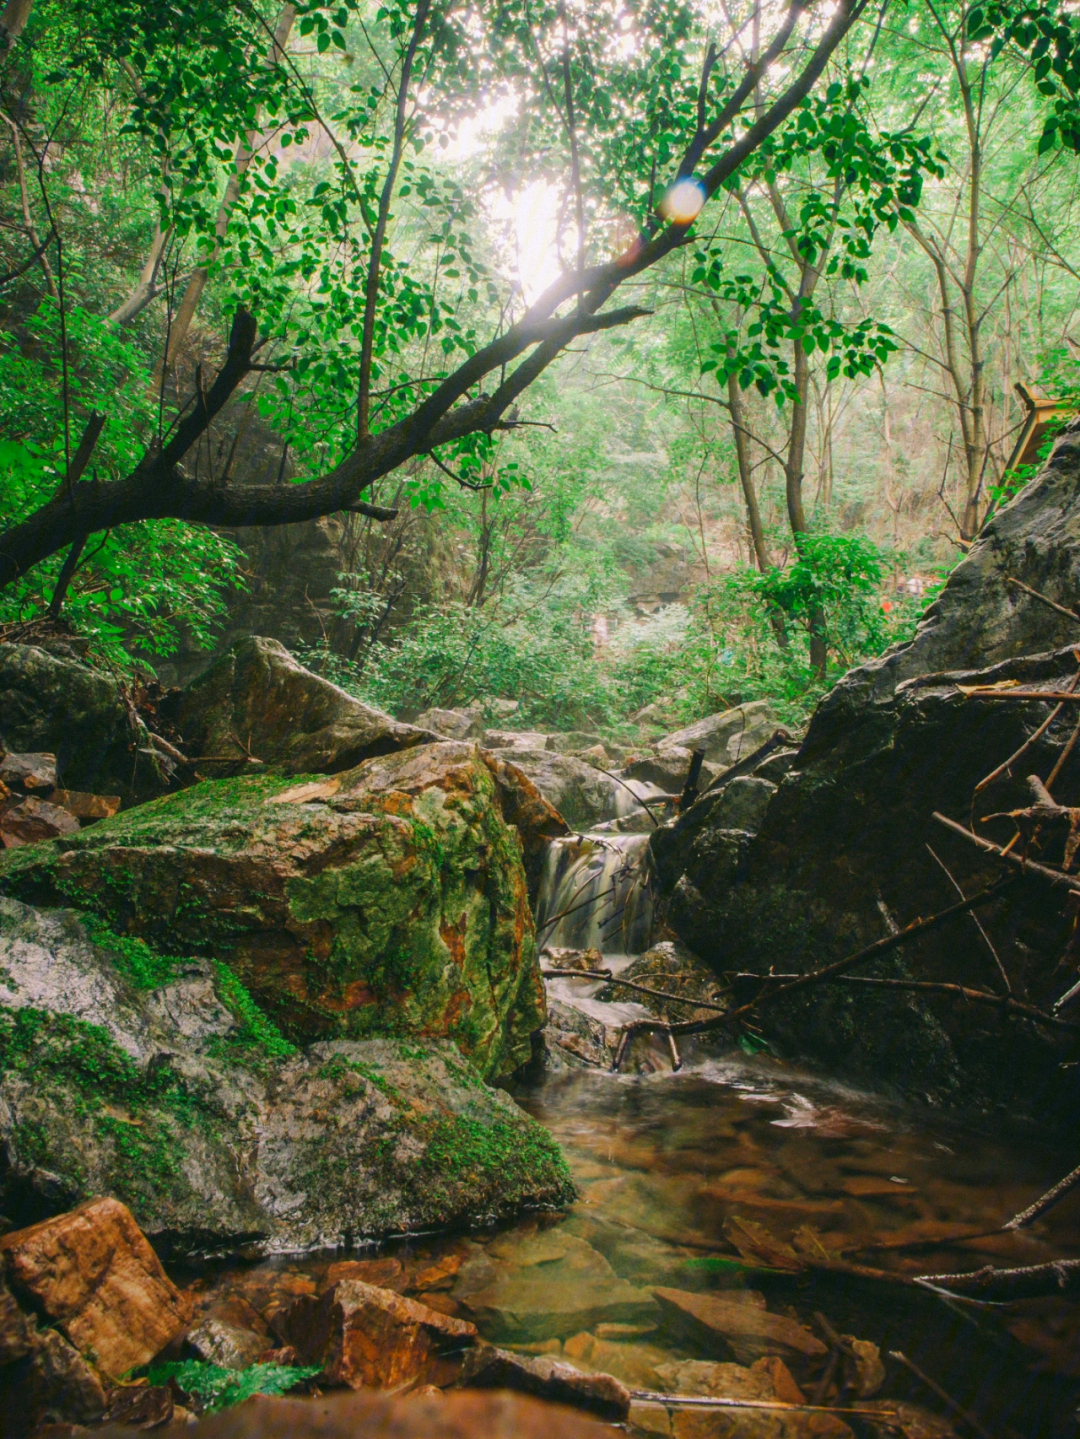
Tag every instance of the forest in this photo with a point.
(539, 602)
(793, 441)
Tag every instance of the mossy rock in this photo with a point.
(388, 900)
(218, 1134)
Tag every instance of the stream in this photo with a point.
(670, 1166)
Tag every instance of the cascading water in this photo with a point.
(595, 894)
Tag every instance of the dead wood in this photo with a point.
(1055, 876)
(1034, 1281)
(608, 978)
(1047, 1201)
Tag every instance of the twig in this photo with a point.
(1004, 1002)
(1038, 734)
(1055, 876)
(1048, 1200)
(1063, 756)
(946, 1399)
(644, 804)
(1045, 599)
(978, 922)
(1064, 697)
(593, 899)
(608, 978)
(695, 1401)
(1034, 1281)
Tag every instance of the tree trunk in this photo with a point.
(746, 478)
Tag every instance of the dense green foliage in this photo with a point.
(385, 187)
(213, 1388)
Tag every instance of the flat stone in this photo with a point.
(453, 724)
(554, 1284)
(93, 1273)
(464, 1414)
(747, 1330)
(59, 1384)
(370, 1338)
(387, 1273)
(16, 1328)
(489, 1368)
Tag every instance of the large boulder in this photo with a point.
(728, 736)
(79, 714)
(584, 796)
(257, 702)
(168, 1091)
(841, 851)
(389, 899)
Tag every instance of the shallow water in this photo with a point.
(664, 1162)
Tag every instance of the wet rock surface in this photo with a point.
(258, 702)
(581, 794)
(388, 899)
(840, 852)
(214, 1135)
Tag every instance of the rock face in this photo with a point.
(164, 1088)
(726, 737)
(390, 899)
(257, 701)
(78, 715)
(841, 850)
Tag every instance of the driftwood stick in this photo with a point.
(816, 976)
(1063, 697)
(1047, 1201)
(695, 1401)
(1063, 756)
(1043, 599)
(1004, 1002)
(1055, 876)
(736, 771)
(1034, 1281)
(593, 899)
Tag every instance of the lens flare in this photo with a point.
(683, 201)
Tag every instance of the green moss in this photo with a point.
(77, 1068)
(133, 957)
(258, 1035)
(500, 1156)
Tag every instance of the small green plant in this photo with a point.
(132, 956)
(257, 1032)
(213, 1388)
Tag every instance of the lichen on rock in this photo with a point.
(387, 900)
(111, 1088)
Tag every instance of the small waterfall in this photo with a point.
(595, 894)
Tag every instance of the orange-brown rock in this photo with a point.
(465, 1415)
(93, 1274)
(16, 1328)
(371, 1338)
(29, 772)
(747, 1330)
(86, 806)
(386, 1273)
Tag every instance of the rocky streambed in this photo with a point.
(274, 1014)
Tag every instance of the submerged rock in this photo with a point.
(169, 1091)
(257, 701)
(390, 899)
(528, 1287)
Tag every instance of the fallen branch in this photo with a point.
(946, 1398)
(1004, 1002)
(744, 766)
(1063, 697)
(1043, 599)
(816, 976)
(1034, 1281)
(1031, 739)
(1055, 876)
(608, 978)
(1047, 1201)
